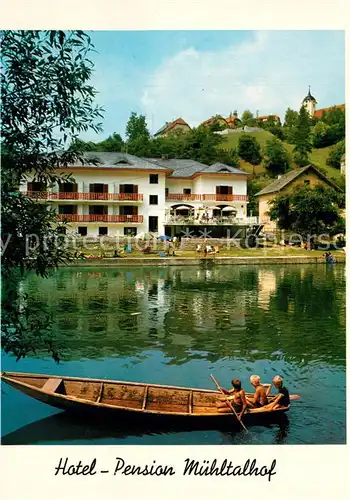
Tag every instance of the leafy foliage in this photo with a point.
(248, 119)
(336, 154)
(249, 149)
(277, 159)
(290, 125)
(309, 211)
(46, 103)
(302, 138)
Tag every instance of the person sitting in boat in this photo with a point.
(261, 392)
(236, 397)
(282, 399)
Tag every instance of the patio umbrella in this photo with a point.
(229, 209)
(183, 207)
(164, 237)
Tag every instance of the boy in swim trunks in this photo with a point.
(260, 397)
(236, 397)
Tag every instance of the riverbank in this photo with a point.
(190, 261)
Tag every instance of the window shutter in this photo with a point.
(105, 188)
(92, 188)
(229, 190)
(75, 209)
(135, 189)
(134, 210)
(121, 188)
(75, 188)
(218, 189)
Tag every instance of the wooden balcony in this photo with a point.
(117, 219)
(183, 197)
(44, 195)
(206, 197)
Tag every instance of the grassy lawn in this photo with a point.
(318, 157)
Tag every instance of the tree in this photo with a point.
(46, 102)
(309, 211)
(113, 143)
(290, 125)
(249, 149)
(302, 139)
(336, 154)
(248, 119)
(277, 159)
(253, 187)
(137, 135)
(136, 127)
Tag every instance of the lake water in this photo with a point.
(231, 321)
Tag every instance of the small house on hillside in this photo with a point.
(269, 118)
(220, 120)
(178, 125)
(308, 175)
(233, 120)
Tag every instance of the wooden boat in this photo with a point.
(126, 401)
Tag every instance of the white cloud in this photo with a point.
(269, 74)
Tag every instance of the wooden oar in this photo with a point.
(229, 404)
(294, 397)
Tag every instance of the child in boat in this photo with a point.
(282, 399)
(260, 396)
(236, 397)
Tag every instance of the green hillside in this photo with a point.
(318, 157)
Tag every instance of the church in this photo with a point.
(309, 102)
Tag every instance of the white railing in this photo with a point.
(210, 221)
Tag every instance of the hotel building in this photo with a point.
(121, 194)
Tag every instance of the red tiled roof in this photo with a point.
(212, 119)
(169, 126)
(319, 112)
(266, 117)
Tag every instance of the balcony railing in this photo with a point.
(206, 197)
(44, 195)
(132, 219)
(184, 197)
(179, 220)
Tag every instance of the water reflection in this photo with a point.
(292, 313)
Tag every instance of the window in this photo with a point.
(98, 188)
(166, 192)
(82, 231)
(152, 224)
(36, 186)
(102, 231)
(67, 209)
(187, 191)
(98, 210)
(130, 231)
(128, 188)
(68, 187)
(153, 179)
(153, 199)
(307, 182)
(223, 189)
(128, 210)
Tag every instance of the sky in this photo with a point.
(197, 74)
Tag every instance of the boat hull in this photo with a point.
(92, 409)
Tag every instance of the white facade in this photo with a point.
(130, 201)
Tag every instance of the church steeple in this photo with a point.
(309, 102)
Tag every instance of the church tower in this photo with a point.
(309, 102)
